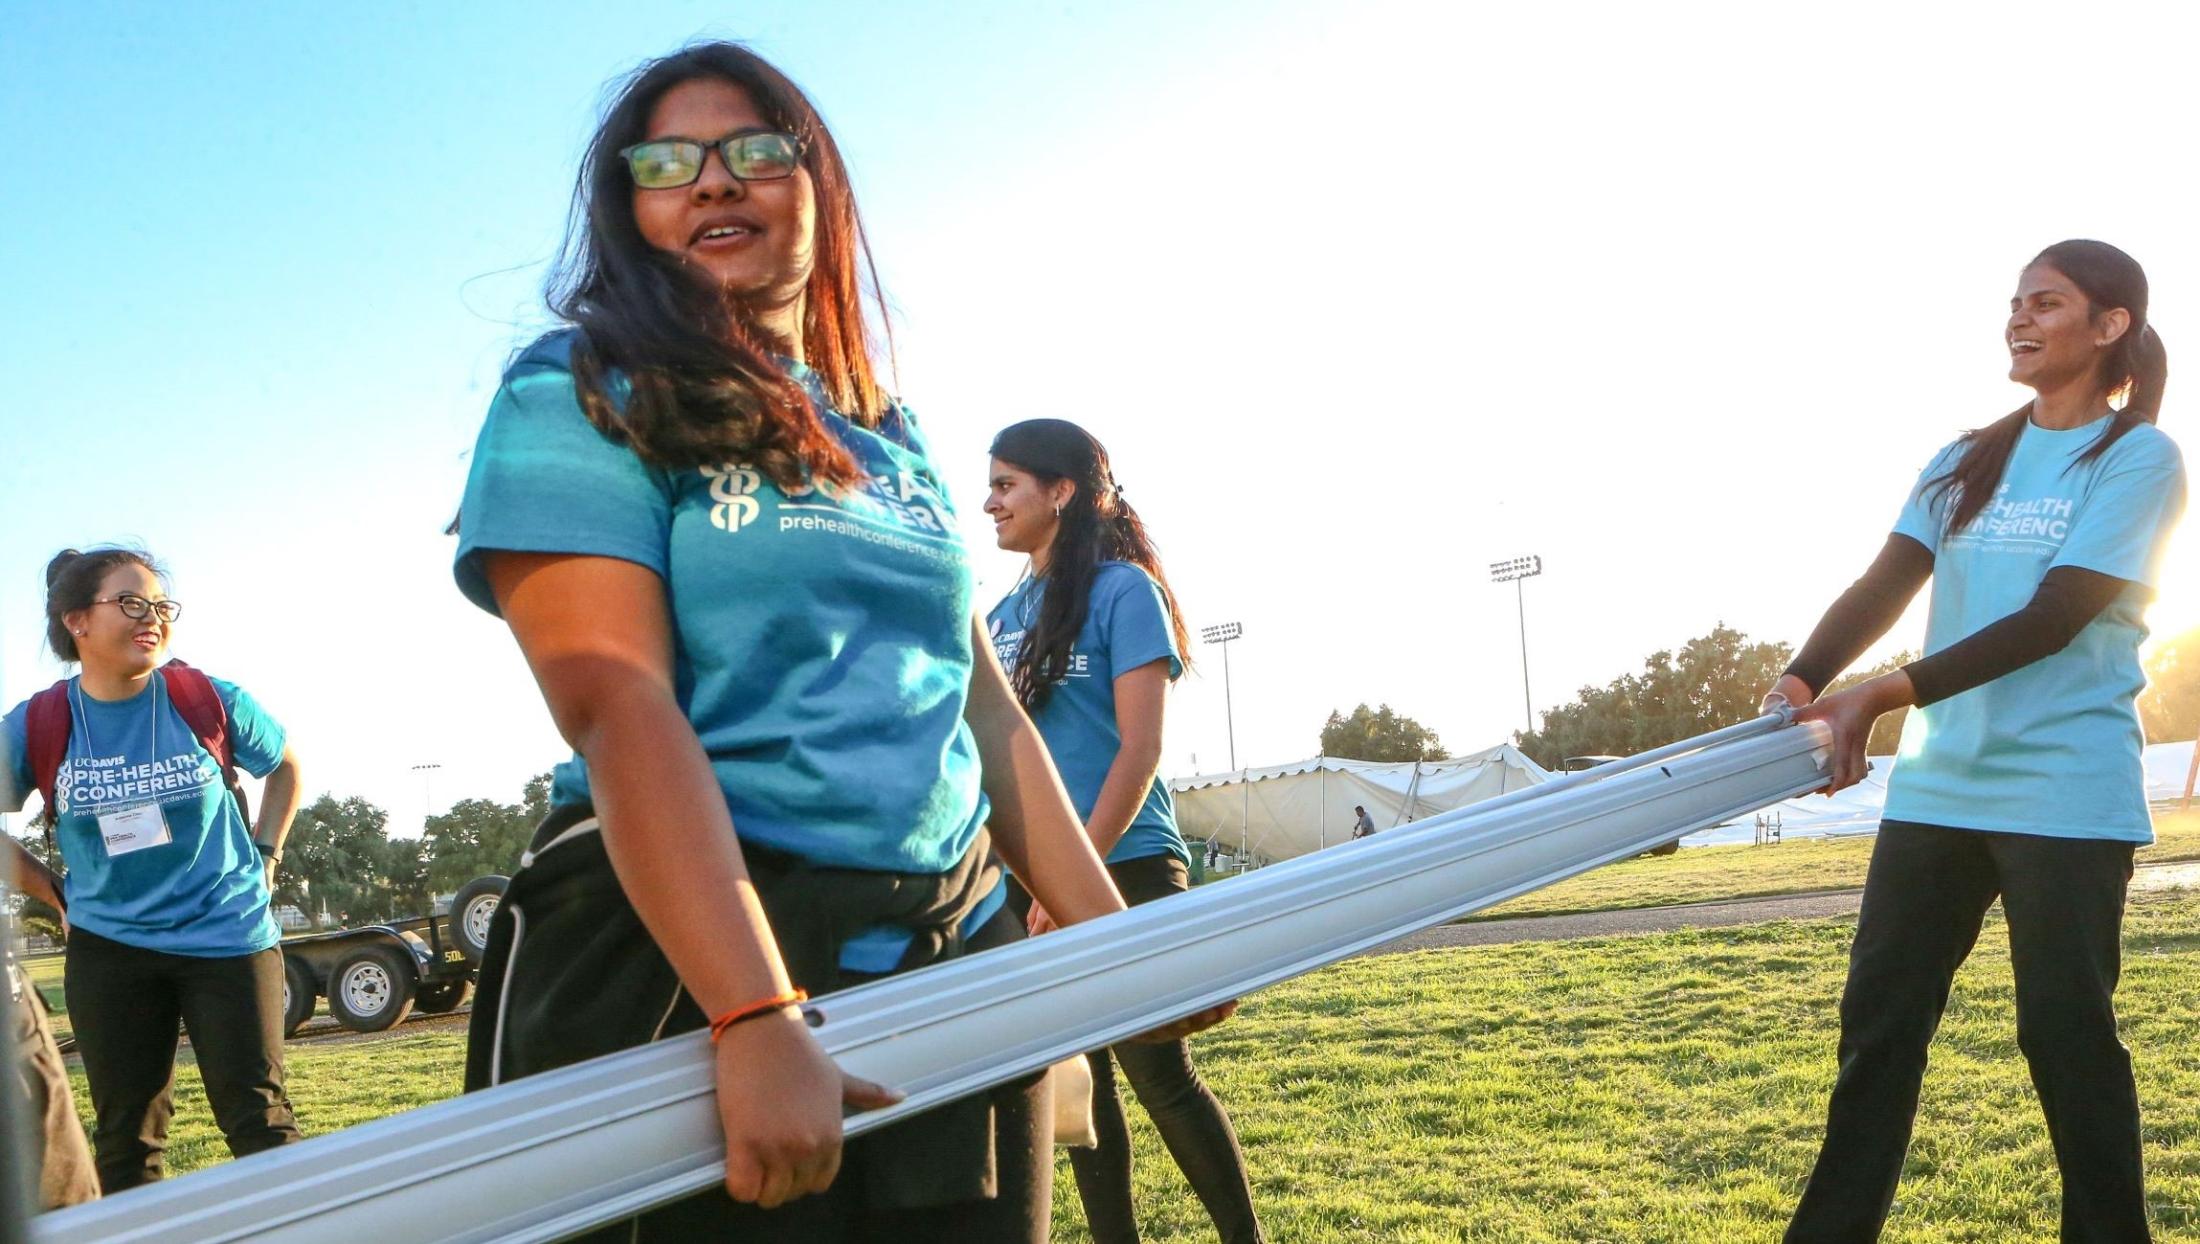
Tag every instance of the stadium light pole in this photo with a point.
(427, 791)
(1515, 571)
(1222, 634)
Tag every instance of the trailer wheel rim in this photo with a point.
(478, 915)
(367, 988)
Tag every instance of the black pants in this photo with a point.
(1184, 1110)
(1924, 898)
(124, 1003)
(571, 973)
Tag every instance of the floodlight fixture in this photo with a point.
(1222, 633)
(1514, 570)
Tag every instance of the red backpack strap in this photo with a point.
(47, 724)
(200, 706)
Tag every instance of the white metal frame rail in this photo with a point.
(555, 1154)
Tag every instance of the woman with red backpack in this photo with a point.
(166, 889)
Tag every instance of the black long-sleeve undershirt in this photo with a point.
(2066, 601)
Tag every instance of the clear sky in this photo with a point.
(1361, 298)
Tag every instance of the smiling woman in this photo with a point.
(730, 562)
(167, 889)
(2044, 535)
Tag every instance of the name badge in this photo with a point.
(134, 829)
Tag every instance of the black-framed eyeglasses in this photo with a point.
(137, 608)
(757, 155)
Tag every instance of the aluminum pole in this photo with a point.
(560, 1153)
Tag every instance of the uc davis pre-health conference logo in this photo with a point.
(732, 489)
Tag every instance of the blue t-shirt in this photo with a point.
(203, 892)
(1126, 626)
(822, 642)
(2052, 748)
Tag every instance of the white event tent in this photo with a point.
(1284, 811)
(2168, 767)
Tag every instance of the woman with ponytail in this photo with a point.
(2019, 774)
(1091, 638)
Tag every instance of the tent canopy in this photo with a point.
(1284, 811)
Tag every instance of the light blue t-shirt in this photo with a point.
(1126, 626)
(822, 642)
(2052, 748)
(204, 891)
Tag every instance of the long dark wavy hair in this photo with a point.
(707, 386)
(2135, 368)
(1096, 525)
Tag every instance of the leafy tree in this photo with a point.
(33, 917)
(2169, 708)
(480, 836)
(1711, 681)
(1379, 734)
(1887, 731)
(339, 856)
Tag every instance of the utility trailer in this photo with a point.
(376, 975)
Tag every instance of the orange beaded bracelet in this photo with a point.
(780, 1002)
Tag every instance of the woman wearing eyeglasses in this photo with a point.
(728, 559)
(166, 893)
(1093, 638)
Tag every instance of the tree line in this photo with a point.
(1716, 680)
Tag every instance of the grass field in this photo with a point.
(1657, 1088)
(1706, 874)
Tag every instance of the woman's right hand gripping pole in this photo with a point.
(779, 1098)
(597, 634)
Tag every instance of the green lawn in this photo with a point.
(1657, 1088)
(1705, 874)
(46, 975)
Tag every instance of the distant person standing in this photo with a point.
(1365, 826)
(1092, 638)
(2019, 779)
(167, 886)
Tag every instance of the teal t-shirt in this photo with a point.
(2052, 748)
(200, 892)
(822, 642)
(1126, 626)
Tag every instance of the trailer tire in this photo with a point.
(471, 910)
(442, 997)
(371, 990)
(1665, 848)
(298, 995)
